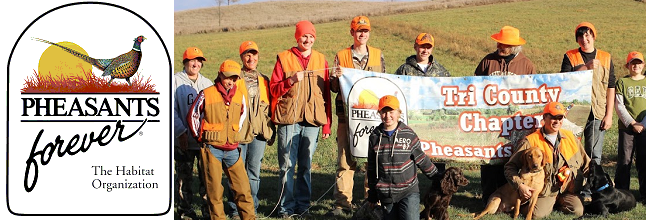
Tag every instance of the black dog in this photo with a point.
(605, 197)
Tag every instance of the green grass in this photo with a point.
(462, 39)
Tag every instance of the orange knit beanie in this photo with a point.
(304, 27)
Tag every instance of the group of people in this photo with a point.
(226, 124)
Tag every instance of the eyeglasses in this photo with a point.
(558, 117)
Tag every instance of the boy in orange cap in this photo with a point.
(358, 56)
(509, 48)
(423, 63)
(394, 154)
(214, 120)
(630, 103)
(508, 59)
(587, 57)
(300, 93)
(570, 160)
(186, 85)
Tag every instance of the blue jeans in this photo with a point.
(296, 146)
(227, 158)
(406, 209)
(252, 154)
(594, 139)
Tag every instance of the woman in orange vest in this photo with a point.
(215, 119)
(258, 131)
(300, 93)
(566, 166)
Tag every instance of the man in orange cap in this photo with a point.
(358, 56)
(186, 85)
(508, 59)
(423, 63)
(300, 93)
(630, 103)
(564, 171)
(214, 120)
(587, 57)
(260, 131)
(394, 153)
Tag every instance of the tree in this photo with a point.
(231, 1)
(219, 2)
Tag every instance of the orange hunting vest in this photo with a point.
(600, 79)
(221, 123)
(374, 59)
(304, 101)
(576, 58)
(568, 146)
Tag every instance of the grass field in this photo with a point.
(462, 39)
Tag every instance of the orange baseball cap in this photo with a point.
(588, 25)
(425, 38)
(554, 108)
(508, 35)
(192, 53)
(230, 68)
(248, 45)
(360, 22)
(388, 101)
(634, 55)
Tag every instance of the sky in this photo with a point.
(193, 4)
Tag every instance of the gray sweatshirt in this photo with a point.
(185, 91)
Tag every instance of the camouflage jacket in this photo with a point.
(411, 68)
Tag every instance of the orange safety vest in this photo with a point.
(568, 146)
(258, 122)
(221, 123)
(374, 59)
(576, 58)
(304, 101)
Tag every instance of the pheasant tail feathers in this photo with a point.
(98, 63)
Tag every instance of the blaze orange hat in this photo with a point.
(248, 45)
(425, 38)
(192, 53)
(634, 55)
(360, 22)
(554, 108)
(588, 25)
(304, 27)
(388, 101)
(230, 68)
(508, 35)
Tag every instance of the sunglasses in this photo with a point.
(558, 117)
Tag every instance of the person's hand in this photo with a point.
(325, 136)
(592, 64)
(606, 123)
(338, 72)
(297, 77)
(638, 127)
(524, 191)
(183, 142)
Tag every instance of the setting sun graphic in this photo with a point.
(59, 64)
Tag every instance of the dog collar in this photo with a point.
(603, 187)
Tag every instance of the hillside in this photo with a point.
(262, 15)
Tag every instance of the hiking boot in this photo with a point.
(235, 217)
(284, 216)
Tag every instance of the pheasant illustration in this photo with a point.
(121, 67)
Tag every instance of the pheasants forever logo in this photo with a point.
(81, 106)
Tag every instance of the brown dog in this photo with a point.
(506, 198)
